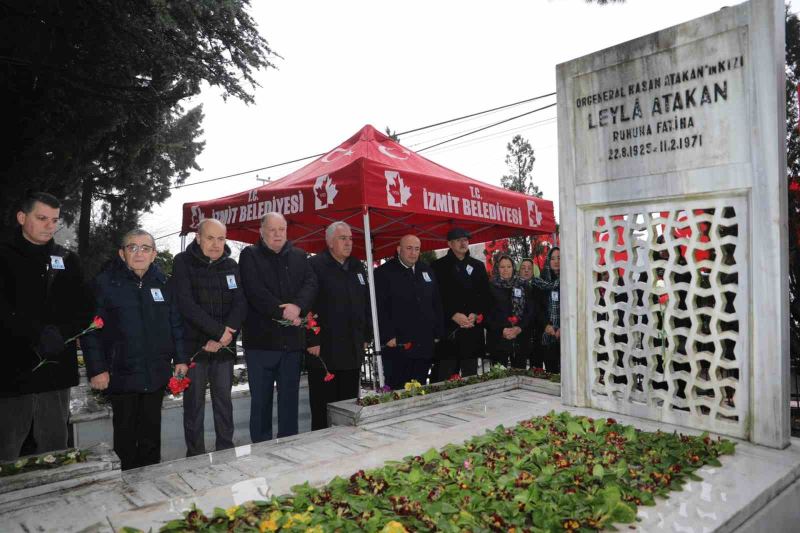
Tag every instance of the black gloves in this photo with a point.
(50, 342)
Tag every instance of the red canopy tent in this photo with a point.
(400, 191)
(383, 191)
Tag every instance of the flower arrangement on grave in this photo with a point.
(496, 372)
(43, 462)
(97, 323)
(556, 472)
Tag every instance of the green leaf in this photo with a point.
(630, 434)
(713, 461)
(513, 448)
(611, 495)
(598, 471)
(574, 428)
(623, 512)
(449, 509)
(430, 455)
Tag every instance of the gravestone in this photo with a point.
(672, 167)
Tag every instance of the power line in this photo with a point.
(476, 114)
(227, 176)
(167, 235)
(483, 138)
(486, 127)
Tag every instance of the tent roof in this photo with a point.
(403, 191)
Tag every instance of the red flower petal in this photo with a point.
(329, 377)
(408, 345)
(97, 322)
(479, 319)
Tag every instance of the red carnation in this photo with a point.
(408, 345)
(513, 320)
(663, 299)
(479, 318)
(454, 377)
(329, 377)
(97, 322)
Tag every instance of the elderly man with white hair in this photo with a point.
(343, 313)
(211, 301)
(280, 287)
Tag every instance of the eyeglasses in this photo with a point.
(134, 248)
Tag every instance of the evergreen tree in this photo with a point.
(520, 159)
(92, 91)
(793, 170)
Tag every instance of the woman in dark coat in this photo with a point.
(549, 304)
(509, 315)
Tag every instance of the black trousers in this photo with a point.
(344, 386)
(444, 368)
(217, 370)
(551, 354)
(44, 414)
(137, 427)
(404, 369)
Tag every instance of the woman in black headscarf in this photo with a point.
(509, 314)
(549, 304)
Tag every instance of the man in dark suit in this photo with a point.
(464, 289)
(43, 302)
(409, 314)
(279, 285)
(343, 314)
(212, 303)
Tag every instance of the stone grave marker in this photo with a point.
(672, 166)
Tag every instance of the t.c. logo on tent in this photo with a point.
(397, 194)
(324, 192)
(534, 215)
(197, 216)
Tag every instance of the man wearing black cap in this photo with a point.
(464, 289)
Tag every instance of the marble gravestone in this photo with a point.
(672, 165)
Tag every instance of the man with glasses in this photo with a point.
(43, 301)
(131, 356)
(211, 301)
(280, 287)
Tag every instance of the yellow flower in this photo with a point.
(302, 518)
(394, 527)
(315, 529)
(268, 525)
(271, 524)
(231, 512)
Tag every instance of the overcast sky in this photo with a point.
(406, 65)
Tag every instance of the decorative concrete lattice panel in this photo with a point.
(683, 359)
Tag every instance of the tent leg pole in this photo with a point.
(378, 368)
(183, 243)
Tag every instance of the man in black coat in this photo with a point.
(279, 285)
(213, 307)
(409, 314)
(464, 289)
(343, 313)
(131, 356)
(43, 301)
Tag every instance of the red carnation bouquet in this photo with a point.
(309, 322)
(97, 323)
